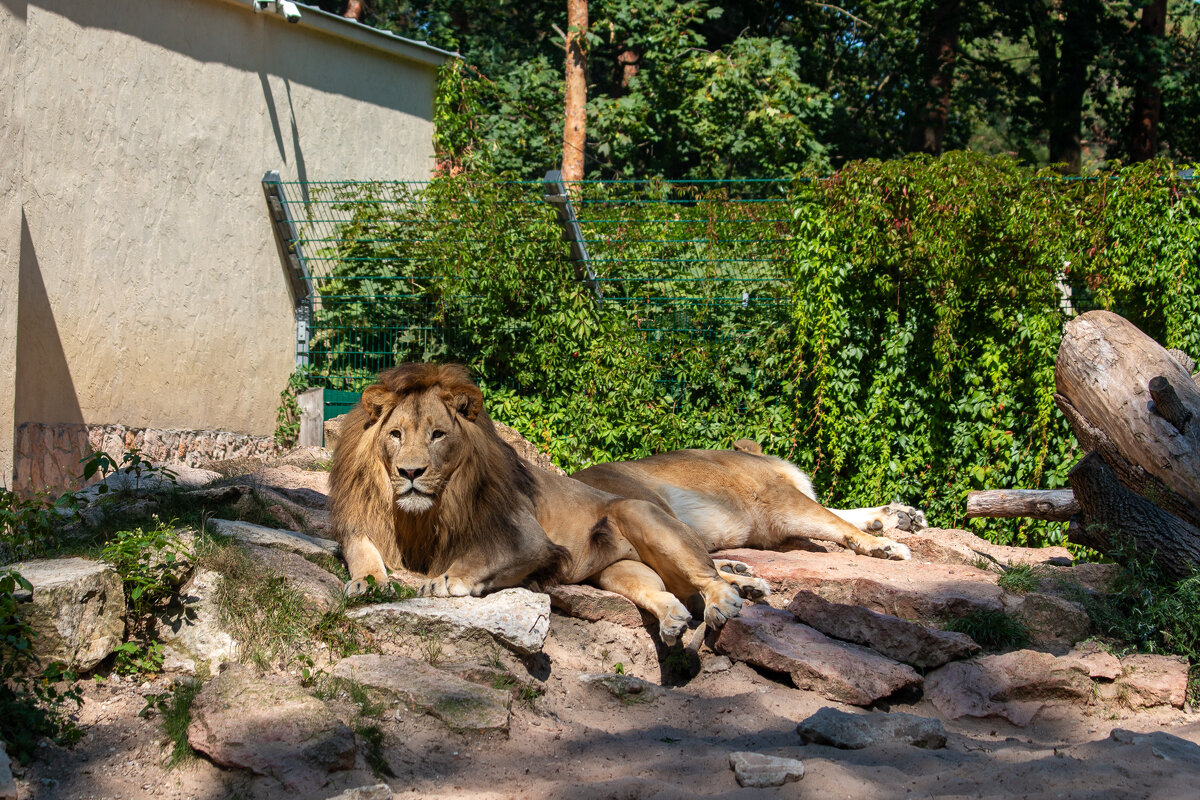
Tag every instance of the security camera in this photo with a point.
(260, 5)
(289, 10)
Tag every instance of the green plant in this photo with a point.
(31, 704)
(151, 563)
(133, 463)
(1019, 578)
(134, 658)
(372, 737)
(618, 668)
(992, 630)
(287, 418)
(29, 525)
(175, 707)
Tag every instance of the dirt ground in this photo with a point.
(578, 741)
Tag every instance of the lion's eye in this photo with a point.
(435, 435)
(395, 434)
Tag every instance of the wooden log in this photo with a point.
(1185, 361)
(1056, 505)
(1104, 369)
(1114, 518)
(1167, 403)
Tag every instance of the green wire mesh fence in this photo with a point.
(394, 269)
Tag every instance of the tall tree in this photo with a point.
(1150, 58)
(941, 52)
(575, 95)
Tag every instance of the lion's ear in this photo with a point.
(374, 399)
(467, 401)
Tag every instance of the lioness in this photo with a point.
(420, 480)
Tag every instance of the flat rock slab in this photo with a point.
(1152, 680)
(291, 541)
(380, 791)
(623, 687)
(928, 594)
(270, 727)
(147, 480)
(891, 636)
(591, 604)
(462, 705)
(954, 546)
(517, 618)
(847, 731)
(1161, 745)
(77, 610)
(321, 587)
(1015, 686)
(758, 771)
(839, 671)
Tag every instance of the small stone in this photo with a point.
(8, 785)
(758, 771)
(380, 791)
(716, 664)
(623, 687)
(847, 731)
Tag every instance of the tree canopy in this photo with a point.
(748, 88)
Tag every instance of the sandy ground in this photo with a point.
(578, 741)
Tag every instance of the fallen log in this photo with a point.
(1056, 505)
(1115, 518)
(1104, 369)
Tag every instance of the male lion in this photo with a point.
(420, 480)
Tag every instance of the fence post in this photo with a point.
(556, 195)
(287, 240)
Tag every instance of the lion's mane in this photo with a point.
(473, 513)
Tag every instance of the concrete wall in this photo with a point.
(151, 293)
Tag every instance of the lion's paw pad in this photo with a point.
(733, 567)
(905, 518)
(753, 588)
(357, 587)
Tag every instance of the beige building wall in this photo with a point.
(151, 292)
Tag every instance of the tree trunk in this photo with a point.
(1064, 74)
(1104, 369)
(1056, 505)
(355, 9)
(941, 48)
(575, 100)
(1147, 98)
(1115, 518)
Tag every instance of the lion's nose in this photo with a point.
(411, 474)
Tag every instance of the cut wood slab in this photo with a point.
(1057, 505)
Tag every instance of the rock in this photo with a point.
(589, 603)
(380, 791)
(196, 632)
(623, 687)
(891, 636)
(333, 431)
(517, 618)
(758, 771)
(835, 728)
(152, 479)
(526, 449)
(308, 458)
(1014, 685)
(1099, 663)
(174, 661)
(1153, 680)
(1161, 744)
(928, 594)
(848, 673)
(291, 541)
(77, 610)
(321, 587)
(952, 546)
(462, 705)
(716, 664)
(8, 785)
(269, 727)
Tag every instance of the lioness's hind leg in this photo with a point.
(363, 561)
(881, 518)
(646, 589)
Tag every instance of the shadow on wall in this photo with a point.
(45, 391)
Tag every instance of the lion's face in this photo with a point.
(420, 439)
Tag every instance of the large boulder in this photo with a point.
(461, 704)
(77, 610)
(1152, 680)
(1015, 686)
(291, 541)
(839, 671)
(269, 727)
(319, 586)
(517, 618)
(893, 637)
(194, 631)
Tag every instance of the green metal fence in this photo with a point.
(689, 263)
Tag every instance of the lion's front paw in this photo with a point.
(444, 586)
(721, 604)
(893, 551)
(359, 586)
(672, 626)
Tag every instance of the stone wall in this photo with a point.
(48, 457)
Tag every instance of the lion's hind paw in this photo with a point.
(732, 567)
